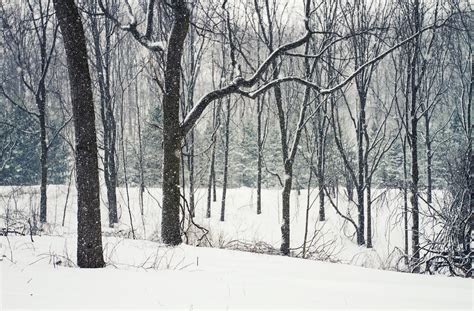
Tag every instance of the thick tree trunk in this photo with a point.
(172, 136)
(89, 238)
(287, 183)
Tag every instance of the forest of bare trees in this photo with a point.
(352, 98)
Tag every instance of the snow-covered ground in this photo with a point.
(146, 274)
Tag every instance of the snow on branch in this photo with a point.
(235, 87)
(131, 26)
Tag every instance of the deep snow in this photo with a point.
(146, 274)
(192, 278)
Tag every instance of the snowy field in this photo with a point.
(145, 274)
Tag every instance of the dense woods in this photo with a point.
(351, 98)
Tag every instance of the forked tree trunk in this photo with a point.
(209, 186)
(212, 175)
(89, 238)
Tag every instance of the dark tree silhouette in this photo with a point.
(89, 238)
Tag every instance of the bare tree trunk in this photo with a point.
(209, 187)
(259, 155)
(44, 155)
(361, 164)
(170, 228)
(285, 227)
(369, 211)
(405, 197)
(368, 188)
(213, 173)
(414, 143)
(141, 183)
(89, 238)
(308, 207)
(226, 158)
(125, 176)
(260, 102)
(320, 168)
(429, 159)
(470, 175)
(67, 196)
(288, 178)
(321, 144)
(191, 173)
(102, 64)
(211, 168)
(40, 98)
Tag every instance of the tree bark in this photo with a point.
(89, 238)
(414, 143)
(429, 159)
(44, 157)
(226, 159)
(259, 155)
(107, 115)
(361, 164)
(405, 198)
(170, 229)
(285, 227)
(40, 98)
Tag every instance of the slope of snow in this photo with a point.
(143, 274)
